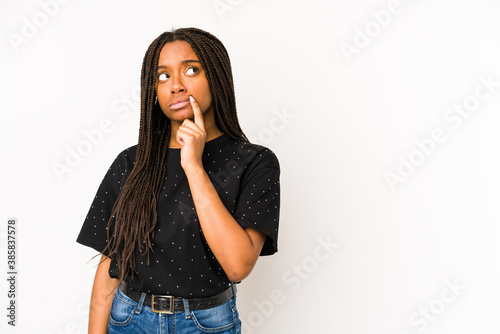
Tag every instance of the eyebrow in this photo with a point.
(184, 62)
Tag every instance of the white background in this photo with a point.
(351, 120)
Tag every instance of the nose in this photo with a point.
(177, 84)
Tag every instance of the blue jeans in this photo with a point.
(129, 316)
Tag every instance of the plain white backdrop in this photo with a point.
(383, 114)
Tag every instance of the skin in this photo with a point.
(180, 76)
(101, 298)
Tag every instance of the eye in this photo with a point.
(191, 70)
(163, 77)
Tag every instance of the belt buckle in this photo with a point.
(170, 311)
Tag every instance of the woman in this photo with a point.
(183, 215)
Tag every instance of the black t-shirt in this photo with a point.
(246, 177)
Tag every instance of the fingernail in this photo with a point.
(191, 98)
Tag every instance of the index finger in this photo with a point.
(198, 117)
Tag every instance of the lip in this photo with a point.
(179, 103)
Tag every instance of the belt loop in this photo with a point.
(187, 312)
(141, 302)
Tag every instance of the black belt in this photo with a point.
(169, 304)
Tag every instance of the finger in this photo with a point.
(189, 124)
(179, 137)
(198, 117)
(181, 134)
(188, 132)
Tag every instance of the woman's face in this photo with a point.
(180, 75)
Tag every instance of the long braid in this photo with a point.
(134, 215)
(215, 60)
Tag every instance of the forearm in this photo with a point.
(231, 244)
(101, 298)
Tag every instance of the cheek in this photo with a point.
(162, 96)
(208, 103)
(207, 100)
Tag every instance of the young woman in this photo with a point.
(183, 215)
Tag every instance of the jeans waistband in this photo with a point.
(169, 304)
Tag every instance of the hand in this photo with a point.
(191, 136)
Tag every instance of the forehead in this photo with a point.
(173, 53)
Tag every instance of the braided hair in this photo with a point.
(134, 215)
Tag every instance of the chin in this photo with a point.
(180, 117)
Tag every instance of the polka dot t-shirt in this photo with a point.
(246, 177)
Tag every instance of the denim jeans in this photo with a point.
(129, 316)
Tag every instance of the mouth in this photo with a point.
(179, 104)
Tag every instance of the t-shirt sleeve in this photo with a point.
(258, 204)
(94, 230)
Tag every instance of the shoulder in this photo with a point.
(126, 158)
(121, 166)
(127, 153)
(258, 155)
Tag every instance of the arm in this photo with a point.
(101, 298)
(236, 248)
